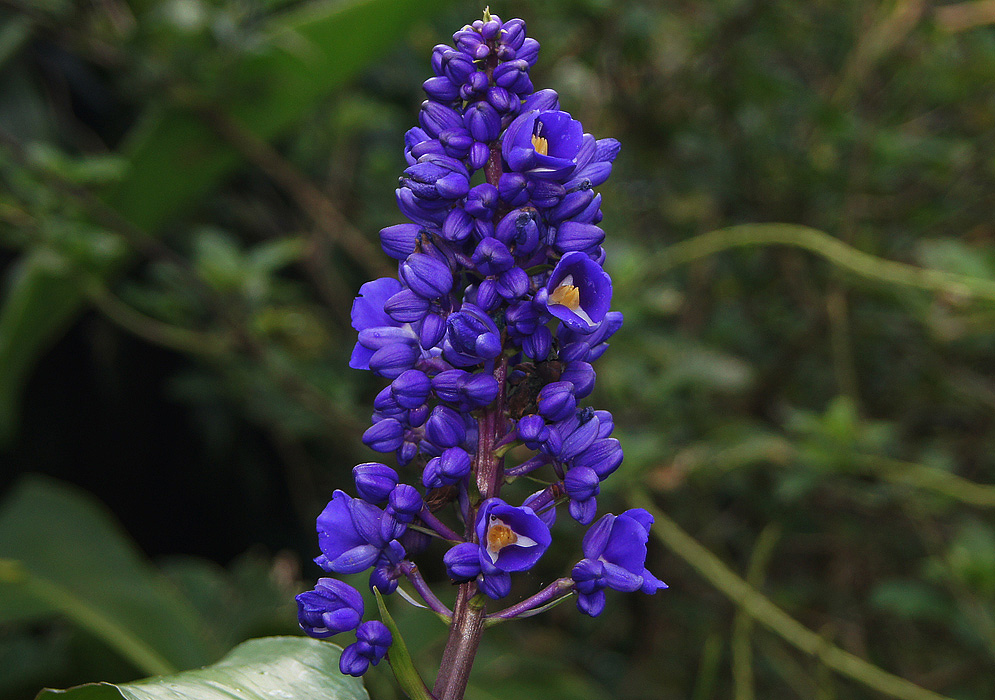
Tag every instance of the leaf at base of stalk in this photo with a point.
(400, 658)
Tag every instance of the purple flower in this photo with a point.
(332, 607)
(511, 539)
(556, 401)
(543, 145)
(471, 337)
(372, 641)
(615, 557)
(579, 292)
(377, 330)
(349, 535)
(428, 277)
(374, 481)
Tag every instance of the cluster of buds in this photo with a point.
(487, 337)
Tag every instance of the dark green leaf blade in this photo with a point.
(63, 554)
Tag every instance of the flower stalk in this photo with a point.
(487, 337)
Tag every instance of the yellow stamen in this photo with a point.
(541, 145)
(500, 536)
(567, 295)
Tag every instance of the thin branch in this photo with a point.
(308, 197)
(929, 479)
(833, 250)
(761, 609)
(151, 329)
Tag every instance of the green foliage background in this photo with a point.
(190, 195)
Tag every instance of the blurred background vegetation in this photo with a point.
(190, 195)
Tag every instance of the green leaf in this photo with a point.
(62, 553)
(175, 158)
(289, 668)
(400, 659)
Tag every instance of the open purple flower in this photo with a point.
(511, 539)
(349, 535)
(543, 145)
(378, 332)
(579, 292)
(615, 557)
(332, 607)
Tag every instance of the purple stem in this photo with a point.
(543, 500)
(508, 438)
(468, 612)
(528, 466)
(539, 599)
(410, 569)
(443, 530)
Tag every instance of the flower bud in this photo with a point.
(406, 502)
(399, 241)
(352, 663)
(407, 452)
(377, 638)
(513, 283)
(441, 88)
(486, 295)
(471, 337)
(583, 512)
(581, 437)
(454, 464)
(374, 481)
(462, 561)
(457, 66)
(582, 483)
(406, 307)
(556, 401)
(529, 51)
(410, 389)
(418, 416)
(572, 204)
(582, 376)
(495, 585)
(481, 201)
(482, 121)
(456, 143)
(391, 360)
(332, 607)
(445, 427)
(426, 276)
(447, 384)
(479, 154)
(385, 436)
(532, 429)
(514, 189)
(492, 257)
(606, 423)
(501, 100)
(604, 456)
(433, 327)
(479, 390)
(575, 236)
(538, 345)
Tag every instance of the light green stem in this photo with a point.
(929, 479)
(833, 250)
(742, 626)
(761, 609)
